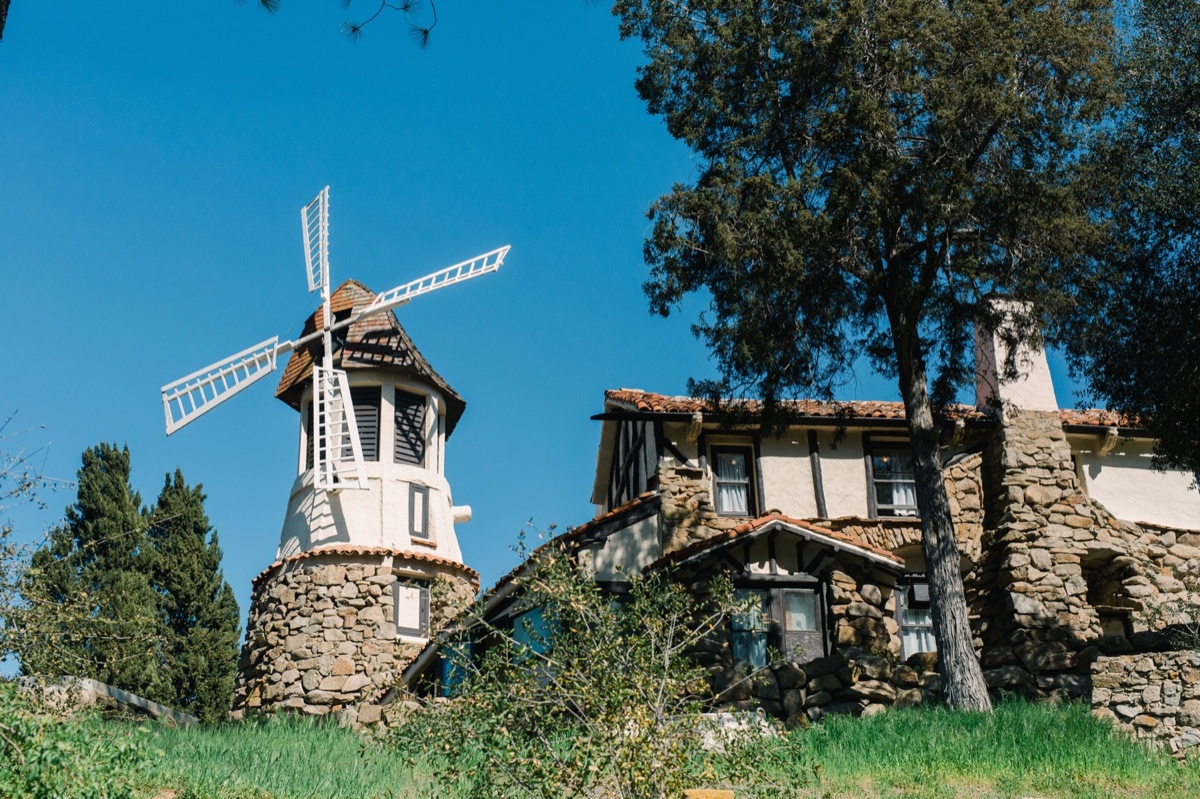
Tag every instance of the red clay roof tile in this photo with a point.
(637, 400)
(347, 549)
(753, 526)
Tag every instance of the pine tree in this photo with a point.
(196, 604)
(89, 587)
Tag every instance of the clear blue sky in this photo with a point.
(153, 158)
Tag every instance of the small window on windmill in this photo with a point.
(366, 415)
(309, 412)
(410, 607)
(418, 511)
(410, 428)
(339, 335)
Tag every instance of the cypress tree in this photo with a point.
(89, 591)
(196, 604)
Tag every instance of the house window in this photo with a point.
(532, 632)
(750, 628)
(410, 429)
(410, 603)
(732, 480)
(454, 665)
(915, 619)
(893, 482)
(418, 511)
(801, 633)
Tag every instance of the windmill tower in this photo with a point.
(368, 561)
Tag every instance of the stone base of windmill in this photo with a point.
(321, 634)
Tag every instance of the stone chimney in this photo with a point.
(1044, 536)
(1031, 388)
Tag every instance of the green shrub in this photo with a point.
(598, 696)
(43, 757)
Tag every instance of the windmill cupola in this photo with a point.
(403, 411)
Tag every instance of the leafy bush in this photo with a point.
(599, 696)
(42, 757)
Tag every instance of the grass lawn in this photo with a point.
(1019, 751)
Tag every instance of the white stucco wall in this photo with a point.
(1031, 390)
(626, 552)
(787, 475)
(1124, 482)
(379, 515)
(844, 474)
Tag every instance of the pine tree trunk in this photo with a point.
(962, 676)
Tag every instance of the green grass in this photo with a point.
(1022, 750)
(278, 759)
(1019, 750)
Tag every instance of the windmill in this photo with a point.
(338, 458)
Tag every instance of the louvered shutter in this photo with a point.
(366, 414)
(410, 428)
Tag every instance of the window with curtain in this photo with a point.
(732, 483)
(915, 619)
(893, 481)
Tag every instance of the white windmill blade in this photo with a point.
(337, 452)
(314, 219)
(198, 393)
(479, 265)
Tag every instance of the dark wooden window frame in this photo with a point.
(774, 587)
(422, 630)
(419, 531)
(871, 442)
(753, 484)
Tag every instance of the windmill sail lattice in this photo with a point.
(314, 219)
(337, 452)
(191, 396)
(479, 265)
(337, 449)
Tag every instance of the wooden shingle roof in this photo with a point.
(377, 342)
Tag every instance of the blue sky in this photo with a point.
(153, 157)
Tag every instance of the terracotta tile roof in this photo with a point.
(1096, 417)
(347, 549)
(751, 527)
(637, 400)
(375, 342)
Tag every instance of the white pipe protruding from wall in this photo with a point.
(461, 513)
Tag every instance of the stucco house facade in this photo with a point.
(1073, 548)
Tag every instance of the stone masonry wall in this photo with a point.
(859, 675)
(1155, 696)
(688, 513)
(322, 635)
